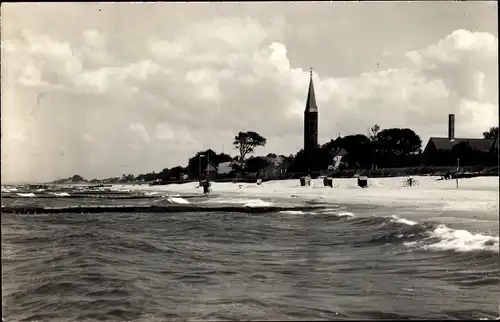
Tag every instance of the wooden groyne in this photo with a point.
(150, 209)
(87, 196)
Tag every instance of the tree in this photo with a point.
(77, 178)
(359, 150)
(254, 164)
(321, 159)
(220, 158)
(246, 142)
(372, 134)
(176, 172)
(397, 147)
(127, 178)
(164, 174)
(492, 133)
(148, 176)
(400, 141)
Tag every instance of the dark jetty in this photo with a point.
(152, 209)
(85, 195)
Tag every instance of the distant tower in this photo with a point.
(310, 122)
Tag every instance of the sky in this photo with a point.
(108, 89)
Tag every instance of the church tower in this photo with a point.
(310, 122)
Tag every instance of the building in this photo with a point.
(337, 158)
(229, 169)
(211, 170)
(223, 170)
(439, 151)
(310, 123)
(278, 167)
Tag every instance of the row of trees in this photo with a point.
(381, 148)
(386, 148)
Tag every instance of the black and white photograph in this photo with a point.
(249, 161)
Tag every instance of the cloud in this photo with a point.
(89, 138)
(199, 87)
(141, 131)
(464, 61)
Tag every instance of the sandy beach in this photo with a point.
(474, 194)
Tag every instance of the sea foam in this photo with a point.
(403, 221)
(258, 203)
(443, 238)
(60, 194)
(178, 200)
(292, 212)
(26, 195)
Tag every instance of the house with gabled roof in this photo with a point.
(337, 156)
(438, 150)
(223, 169)
(278, 166)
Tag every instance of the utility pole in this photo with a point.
(458, 166)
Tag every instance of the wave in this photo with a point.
(292, 212)
(346, 214)
(404, 221)
(178, 200)
(26, 195)
(233, 201)
(337, 213)
(258, 203)
(443, 238)
(9, 189)
(60, 194)
(426, 236)
(252, 203)
(327, 211)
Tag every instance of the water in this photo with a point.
(340, 262)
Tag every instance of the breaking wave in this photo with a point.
(178, 200)
(242, 201)
(251, 203)
(292, 212)
(443, 238)
(426, 236)
(60, 194)
(9, 189)
(26, 195)
(258, 203)
(346, 214)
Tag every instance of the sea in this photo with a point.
(221, 257)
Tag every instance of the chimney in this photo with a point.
(451, 127)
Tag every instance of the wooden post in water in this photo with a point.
(458, 166)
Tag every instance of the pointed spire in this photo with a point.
(311, 98)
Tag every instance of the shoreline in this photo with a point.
(473, 194)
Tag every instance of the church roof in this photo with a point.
(311, 98)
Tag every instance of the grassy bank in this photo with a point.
(416, 171)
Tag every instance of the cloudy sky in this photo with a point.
(106, 89)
